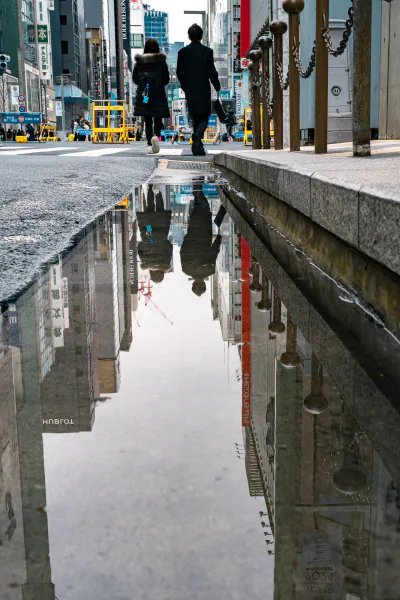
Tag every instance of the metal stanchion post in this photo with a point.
(294, 8)
(265, 44)
(321, 79)
(278, 29)
(255, 57)
(362, 78)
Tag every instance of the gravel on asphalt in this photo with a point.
(45, 201)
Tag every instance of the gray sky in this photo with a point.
(178, 22)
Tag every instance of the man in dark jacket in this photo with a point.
(195, 70)
(199, 251)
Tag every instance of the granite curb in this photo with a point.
(358, 200)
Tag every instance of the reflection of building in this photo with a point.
(110, 299)
(25, 564)
(71, 386)
(226, 289)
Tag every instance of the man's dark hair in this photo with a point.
(151, 47)
(195, 33)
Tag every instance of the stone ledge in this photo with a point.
(356, 199)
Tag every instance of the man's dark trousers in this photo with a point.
(200, 123)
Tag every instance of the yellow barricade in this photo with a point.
(108, 122)
(248, 133)
(48, 133)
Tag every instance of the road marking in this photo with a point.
(98, 152)
(33, 151)
(170, 152)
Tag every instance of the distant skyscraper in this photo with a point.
(173, 53)
(156, 25)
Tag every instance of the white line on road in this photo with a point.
(98, 152)
(33, 151)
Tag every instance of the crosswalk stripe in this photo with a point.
(33, 151)
(98, 152)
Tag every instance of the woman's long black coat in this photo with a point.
(152, 69)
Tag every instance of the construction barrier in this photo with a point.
(21, 139)
(48, 133)
(109, 122)
(248, 132)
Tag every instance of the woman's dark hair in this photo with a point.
(195, 33)
(151, 47)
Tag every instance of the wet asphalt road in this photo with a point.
(45, 199)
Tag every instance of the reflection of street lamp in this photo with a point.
(204, 21)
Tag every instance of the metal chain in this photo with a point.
(270, 106)
(284, 84)
(311, 66)
(346, 34)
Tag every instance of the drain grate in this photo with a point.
(190, 166)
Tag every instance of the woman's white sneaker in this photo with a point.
(155, 144)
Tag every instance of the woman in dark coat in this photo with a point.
(151, 75)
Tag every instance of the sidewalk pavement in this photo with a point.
(357, 199)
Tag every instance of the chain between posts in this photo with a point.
(305, 74)
(283, 83)
(346, 34)
(270, 106)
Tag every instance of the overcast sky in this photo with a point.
(178, 22)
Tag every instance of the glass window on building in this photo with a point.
(28, 28)
(137, 40)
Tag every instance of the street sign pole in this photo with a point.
(63, 105)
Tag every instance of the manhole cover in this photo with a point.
(190, 166)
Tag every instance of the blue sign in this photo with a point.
(225, 95)
(22, 109)
(16, 118)
(212, 121)
(85, 131)
(208, 190)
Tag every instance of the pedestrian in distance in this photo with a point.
(230, 121)
(151, 75)
(195, 71)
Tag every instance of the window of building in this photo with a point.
(137, 40)
(64, 47)
(63, 19)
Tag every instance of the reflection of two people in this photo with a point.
(199, 251)
(155, 250)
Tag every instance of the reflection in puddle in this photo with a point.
(122, 327)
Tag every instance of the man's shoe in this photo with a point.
(155, 144)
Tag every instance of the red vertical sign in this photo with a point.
(246, 336)
(245, 27)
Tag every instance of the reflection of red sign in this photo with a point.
(246, 337)
(21, 119)
(244, 63)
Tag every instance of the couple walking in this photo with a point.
(195, 71)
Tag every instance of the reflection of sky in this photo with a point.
(153, 503)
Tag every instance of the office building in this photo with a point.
(29, 48)
(156, 25)
(68, 42)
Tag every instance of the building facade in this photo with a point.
(156, 25)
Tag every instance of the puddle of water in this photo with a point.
(168, 428)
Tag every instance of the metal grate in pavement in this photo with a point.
(190, 166)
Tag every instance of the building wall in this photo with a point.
(337, 66)
(389, 118)
(260, 12)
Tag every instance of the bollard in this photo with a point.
(255, 57)
(321, 79)
(265, 44)
(362, 78)
(294, 8)
(278, 29)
